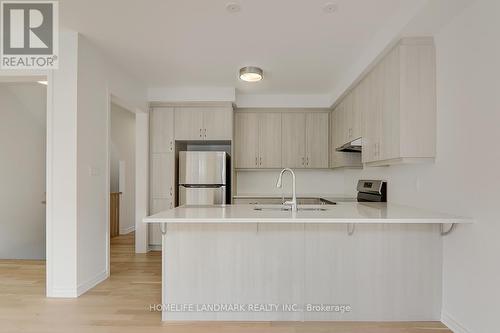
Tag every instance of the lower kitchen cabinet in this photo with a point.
(162, 189)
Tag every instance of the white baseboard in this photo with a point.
(453, 324)
(62, 293)
(86, 286)
(127, 230)
(152, 247)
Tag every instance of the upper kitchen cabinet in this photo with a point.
(340, 159)
(348, 118)
(210, 123)
(270, 140)
(188, 123)
(258, 140)
(305, 139)
(399, 105)
(162, 130)
(218, 124)
(317, 140)
(294, 139)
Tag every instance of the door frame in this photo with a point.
(141, 173)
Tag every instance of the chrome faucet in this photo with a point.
(279, 184)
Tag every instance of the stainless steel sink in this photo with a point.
(287, 208)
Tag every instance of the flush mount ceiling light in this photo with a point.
(251, 74)
(43, 82)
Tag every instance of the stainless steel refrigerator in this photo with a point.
(203, 178)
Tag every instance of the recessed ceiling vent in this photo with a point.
(233, 7)
(330, 7)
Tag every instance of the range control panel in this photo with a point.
(372, 190)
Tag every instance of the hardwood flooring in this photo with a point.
(121, 303)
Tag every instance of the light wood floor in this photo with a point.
(121, 303)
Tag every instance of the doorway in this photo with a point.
(23, 131)
(122, 159)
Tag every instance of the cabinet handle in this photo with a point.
(261, 160)
(171, 191)
(256, 161)
(171, 146)
(303, 161)
(201, 134)
(205, 133)
(307, 161)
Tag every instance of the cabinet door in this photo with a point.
(156, 206)
(293, 127)
(317, 140)
(340, 124)
(162, 176)
(374, 108)
(246, 140)
(348, 119)
(356, 118)
(340, 159)
(370, 119)
(390, 122)
(270, 140)
(217, 123)
(188, 123)
(162, 190)
(162, 130)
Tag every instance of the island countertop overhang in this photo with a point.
(345, 212)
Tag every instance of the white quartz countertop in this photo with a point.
(343, 212)
(329, 197)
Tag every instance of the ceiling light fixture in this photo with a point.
(251, 74)
(43, 82)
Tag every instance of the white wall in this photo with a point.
(80, 94)
(23, 110)
(123, 151)
(464, 178)
(98, 79)
(61, 171)
(309, 182)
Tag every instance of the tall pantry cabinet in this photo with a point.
(162, 166)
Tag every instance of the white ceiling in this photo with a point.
(198, 43)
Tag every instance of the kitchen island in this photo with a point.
(350, 261)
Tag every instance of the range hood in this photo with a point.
(353, 146)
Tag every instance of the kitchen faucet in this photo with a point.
(279, 184)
